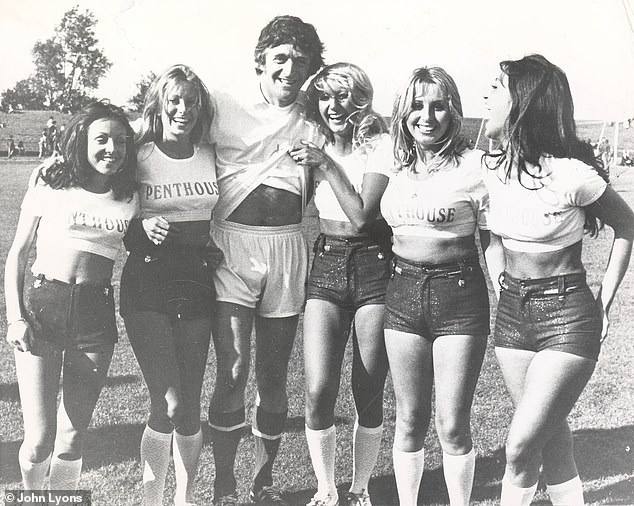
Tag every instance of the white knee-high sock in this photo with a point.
(33, 473)
(365, 449)
(568, 493)
(459, 471)
(512, 495)
(186, 454)
(155, 457)
(408, 472)
(321, 446)
(64, 474)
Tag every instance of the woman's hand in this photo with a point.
(19, 335)
(215, 256)
(156, 228)
(310, 155)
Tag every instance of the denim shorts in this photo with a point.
(350, 272)
(64, 315)
(557, 313)
(176, 282)
(437, 300)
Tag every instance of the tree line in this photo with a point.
(68, 68)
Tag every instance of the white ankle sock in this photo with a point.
(365, 447)
(459, 471)
(33, 473)
(155, 457)
(568, 493)
(408, 471)
(321, 446)
(512, 495)
(64, 474)
(186, 455)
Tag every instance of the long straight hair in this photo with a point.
(541, 123)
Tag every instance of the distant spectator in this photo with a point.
(41, 144)
(605, 152)
(21, 149)
(50, 123)
(10, 147)
(10, 109)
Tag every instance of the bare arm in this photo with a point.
(361, 209)
(18, 330)
(612, 210)
(494, 257)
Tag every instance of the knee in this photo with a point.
(69, 443)
(454, 434)
(233, 372)
(166, 414)
(36, 449)
(521, 454)
(320, 401)
(411, 425)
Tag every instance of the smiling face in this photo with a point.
(283, 73)
(106, 146)
(180, 110)
(335, 107)
(498, 105)
(430, 117)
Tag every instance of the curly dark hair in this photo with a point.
(541, 122)
(290, 30)
(73, 168)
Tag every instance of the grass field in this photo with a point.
(602, 420)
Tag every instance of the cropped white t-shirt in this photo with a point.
(451, 202)
(76, 219)
(543, 214)
(177, 190)
(374, 157)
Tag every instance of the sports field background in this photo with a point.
(602, 420)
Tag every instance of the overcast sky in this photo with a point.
(592, 40)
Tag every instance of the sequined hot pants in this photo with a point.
(350, 272)
(437, 300)
(557, 313)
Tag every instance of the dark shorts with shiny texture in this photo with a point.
(556, 313)
(437, 300)
(350, 272)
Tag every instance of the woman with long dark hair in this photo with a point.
(61, 321)
(546, 188)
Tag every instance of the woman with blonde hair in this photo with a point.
(437, 303)
(346, 286)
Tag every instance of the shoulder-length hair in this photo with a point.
(290, 30)
(156, 101)
(73, 168)
(451, 145)
(365, 121)
(541, 122)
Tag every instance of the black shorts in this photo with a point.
(65, 315)
(558, 313)
(437, 300)
(350, 272)
(176, 281)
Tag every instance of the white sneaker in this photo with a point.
(328, 500)
(352, 499)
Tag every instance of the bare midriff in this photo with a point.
(527, 265)
(73, 266)
(338, 228)
(268, 207)
(434, 250)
